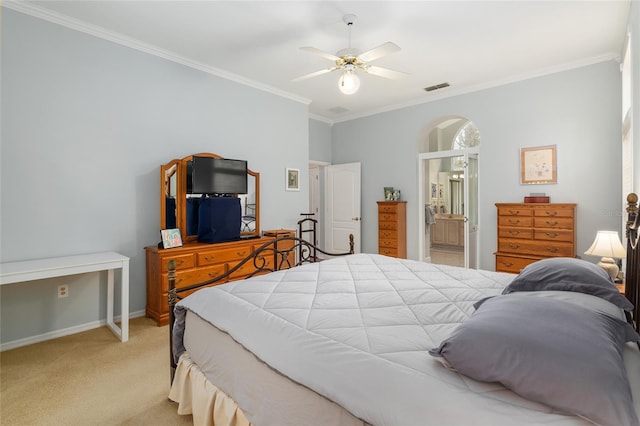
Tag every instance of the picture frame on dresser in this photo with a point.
(538, 165)
(171, 238)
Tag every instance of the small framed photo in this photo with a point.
(293, 180)
(171, 238)
(538, 165)
(388, 193)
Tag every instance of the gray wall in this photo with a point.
(634, 27)
(86, 124)
(319, 141)
(578, 110)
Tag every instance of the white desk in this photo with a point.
(29, 270)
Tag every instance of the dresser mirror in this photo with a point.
(177, 206)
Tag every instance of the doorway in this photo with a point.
(448, 192)
(334, 198)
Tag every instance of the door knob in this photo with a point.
(355, 218)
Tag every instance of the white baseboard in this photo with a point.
(63, 332)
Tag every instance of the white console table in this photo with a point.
(29, 270)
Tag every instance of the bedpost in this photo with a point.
(171, 294)
(632, 281)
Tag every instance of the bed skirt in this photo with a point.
(198, 396)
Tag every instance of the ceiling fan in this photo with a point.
(352, 59)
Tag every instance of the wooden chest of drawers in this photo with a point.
(196, 262)
(528, 232)
(392, 228)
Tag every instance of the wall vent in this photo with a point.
(338, 110)
(436, 87)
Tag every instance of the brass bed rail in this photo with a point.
(277, 254)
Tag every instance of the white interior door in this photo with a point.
(342, 207)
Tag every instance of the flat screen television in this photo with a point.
(217, 176)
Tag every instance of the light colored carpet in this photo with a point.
(90, 378)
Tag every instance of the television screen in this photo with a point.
(218, 176)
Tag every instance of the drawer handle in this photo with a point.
(209, 258)
(212, 275)
(554, 213)
(514, 246)
(512, 232)
(508, 264)
(241, 253)
(514, 221)
(553, 249)
(386, 243)
(551, 234)
(514, 212)
(178, 261)
(554, 223)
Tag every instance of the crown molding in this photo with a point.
(96, 31)
(321, 118)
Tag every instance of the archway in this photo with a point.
(448, 192)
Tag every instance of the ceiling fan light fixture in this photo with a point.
(349, 82)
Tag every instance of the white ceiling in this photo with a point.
(469, 44)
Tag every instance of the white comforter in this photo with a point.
(357, 329)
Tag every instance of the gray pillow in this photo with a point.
(562, 355)
(568, 274)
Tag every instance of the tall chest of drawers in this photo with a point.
(392, 228)
(528, 232)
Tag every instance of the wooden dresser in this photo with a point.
(196, 262)
(528, 232)
(392, 228)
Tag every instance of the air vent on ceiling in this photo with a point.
(436, 87)
(338, 110)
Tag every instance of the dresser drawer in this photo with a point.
(388, 251)
(554, 235)
(522, 233)
(385, 234)
(520, 221)
(388, 225)
(553, 211)
(194, 276)
(534, 247)
(514, 211)
(391, 242)
(554, 222)
(387, 217)
(222, 256)
(183, 261)
(512, 264)
(388, 208)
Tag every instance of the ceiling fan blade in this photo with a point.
(385, 72)
(314, 74)
(319, 52)
(378, 52)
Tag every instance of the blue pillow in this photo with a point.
(568, 274)
(550, 351)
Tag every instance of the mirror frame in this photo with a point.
(179, 168)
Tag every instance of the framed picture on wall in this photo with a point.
(293, 180)
(538, 165)
(171, 238)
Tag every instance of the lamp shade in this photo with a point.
(607, 244)
(349, 83)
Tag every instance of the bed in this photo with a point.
(367, 339)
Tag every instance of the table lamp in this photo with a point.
(607, 244)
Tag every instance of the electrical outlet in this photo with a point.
(63, 291)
